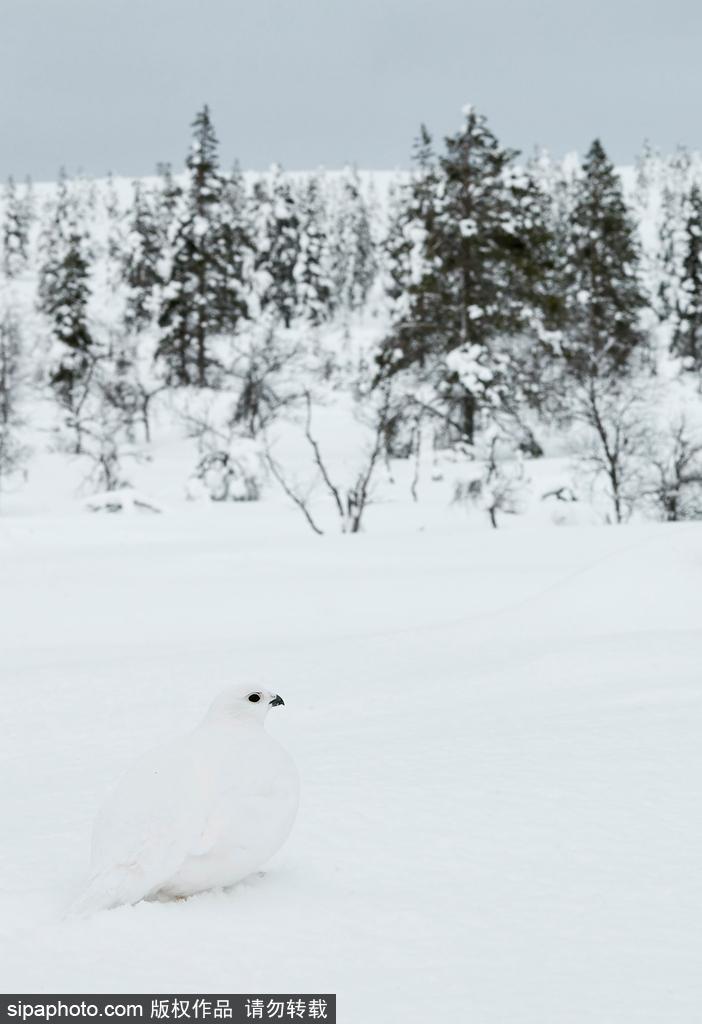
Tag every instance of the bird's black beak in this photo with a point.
(277, 700)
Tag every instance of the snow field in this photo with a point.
(497, 733)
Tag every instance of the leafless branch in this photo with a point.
(319, 461)
(301, 502)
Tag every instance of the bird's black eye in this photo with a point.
(254, 697)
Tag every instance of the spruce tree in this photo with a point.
(603, 294)
(237, 200)
(667, 256)
(169, 196)
(473, 243)
(115, 232)
(239, 235)
(64, 293)
(465, 213)
(687, 334)
(532, 268)
(314, 285)
(15, 229)
(203, 295)
(412, 283)
(12, 452)
(395, 250)
(353, 255)
(673, 213)
(141, 259)
(277, 247)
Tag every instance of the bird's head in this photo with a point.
(244, 702)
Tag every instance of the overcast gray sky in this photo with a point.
(100, 85)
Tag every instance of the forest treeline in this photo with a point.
(483, 303)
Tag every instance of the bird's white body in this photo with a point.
(200, 813)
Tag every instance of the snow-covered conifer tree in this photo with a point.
(64, 292)
(169, 196)
(603, 294)
(687, 335)
(472, 265)
(203, 295)
(395, 251)
(12, 452)
(115, 233)
(15, 229)
(277, 246)
(676, 180)
(314, 284)
(239, 238)
(141, 259)
(409, 282)
(353, 253)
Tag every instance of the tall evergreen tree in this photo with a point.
(395, 250)
(169, 196)
(673, 205)
(353, 256)
(277, 246)
(474, 241)
(465, 210)
(411, 282)
(203, 296)
(240, 231)
(64, 293)
(314, 285)
(141, 260)
(115, 231)
(667, 256)
(687, 335)
(12, 452)
(603, 294)
(15, 229)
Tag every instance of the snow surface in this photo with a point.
(498, 734)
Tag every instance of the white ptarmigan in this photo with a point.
(201, 813)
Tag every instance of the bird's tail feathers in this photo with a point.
(108, 889)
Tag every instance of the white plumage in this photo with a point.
(200, 813)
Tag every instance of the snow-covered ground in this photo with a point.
(498, 734)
